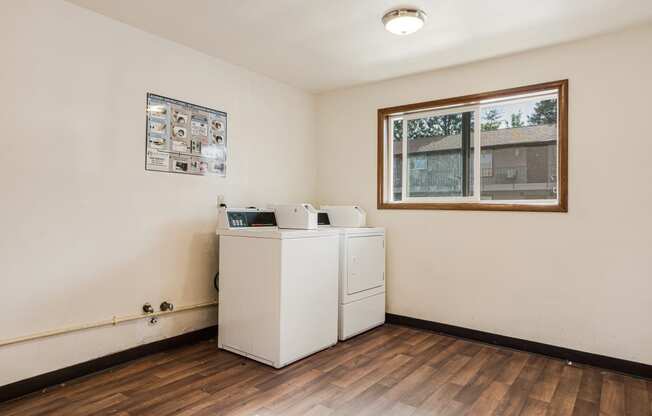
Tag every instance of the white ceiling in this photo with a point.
(320, 45)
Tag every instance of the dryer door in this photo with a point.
(365, 263)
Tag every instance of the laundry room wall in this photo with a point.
(87, 233)
(580, 279)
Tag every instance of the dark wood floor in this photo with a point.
(389, 371)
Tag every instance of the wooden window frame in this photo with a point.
(560, 86)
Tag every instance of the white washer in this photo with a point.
(362, 270)
(278, 290)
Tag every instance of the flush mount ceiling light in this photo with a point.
(404, 21)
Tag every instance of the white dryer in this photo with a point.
(278, 289)
(361, 303)
(362, 280)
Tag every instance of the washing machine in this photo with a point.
(278, 289)
(361, 301)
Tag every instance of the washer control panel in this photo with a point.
(249, 217)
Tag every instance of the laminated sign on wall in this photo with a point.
(184, 138)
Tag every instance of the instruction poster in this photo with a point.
(184, 138)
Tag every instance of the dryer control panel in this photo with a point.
(296, 216)
(345, 215)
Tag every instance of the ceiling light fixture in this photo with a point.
(404, 21)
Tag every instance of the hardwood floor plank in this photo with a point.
(440, 376)
(468, 372)
(316, 383)
(93, 407)
(612, 400)
(355, 390)
(405, 388)
(586, 408)
(362, 401)
(488, 400)
(97, 380)
(515, 399)
(408, 368)
(428, 342)
(471, 348)
(142, 400)
(417, 337)
(563, 401)
(371, 344)
(263, 412)
(513, 368)
(380, 406)
(121, 381)
(319, 410)
(172, 407)
(347, 374)
(649, 393)
(452, 348)
(400, 409)
(395, 346)
(391, 370)
(545, 387)
(33, 404)
(301, 402)
(441, 401)
(534, 407)
(636, 397)
(474, 389)
(591, 385)
(226, 397)
(267, 397)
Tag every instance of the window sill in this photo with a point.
(476, 206)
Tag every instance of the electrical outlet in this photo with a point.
(220, 200)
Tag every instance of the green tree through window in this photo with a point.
(491, 120)
(545, 112)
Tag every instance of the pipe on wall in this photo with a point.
(113, 321)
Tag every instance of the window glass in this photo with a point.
(436, 155)
(396, 159)
(486, 163)
(519, 148)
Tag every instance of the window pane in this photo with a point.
(438, 154)
(397, 162)
(519, 149)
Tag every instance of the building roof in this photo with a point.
(543, 134)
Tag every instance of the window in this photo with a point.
(427, 157)
(486, 163)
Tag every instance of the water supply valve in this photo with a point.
(167, 306)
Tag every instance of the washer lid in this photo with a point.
(277, 233)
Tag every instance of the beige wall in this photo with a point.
(581, 280)
(86, 233)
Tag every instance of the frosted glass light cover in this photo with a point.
(404, 21)
(404, 25)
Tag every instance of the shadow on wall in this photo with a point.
(203, 251)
